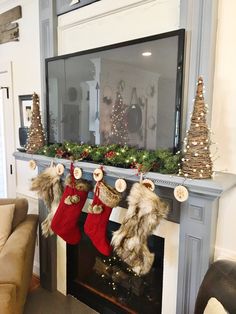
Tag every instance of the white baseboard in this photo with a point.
(221, 253)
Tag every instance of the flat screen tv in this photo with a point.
(128, 93)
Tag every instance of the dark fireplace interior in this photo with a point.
(108, 285)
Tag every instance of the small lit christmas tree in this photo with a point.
(36, 137)
(196, 162)
(119, 131)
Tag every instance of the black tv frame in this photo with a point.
(180, 33)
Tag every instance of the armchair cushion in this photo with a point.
(6, 218)
(214, 307)
(21, 209)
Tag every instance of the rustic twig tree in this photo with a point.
(36, 137)
(196, 162)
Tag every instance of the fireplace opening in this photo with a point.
(107, 284)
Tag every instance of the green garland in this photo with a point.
(162, 161)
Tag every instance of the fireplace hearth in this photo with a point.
(107, 284)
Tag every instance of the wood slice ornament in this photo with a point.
(32, 164)
(98, 174)
(149, 184)
(120, 185)
(60, 169)
(77, 173)
(181, 193)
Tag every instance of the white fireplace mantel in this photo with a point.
(197, 218)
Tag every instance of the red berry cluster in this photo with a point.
(137, 166)
(110, 154)
(84, 154)
(60, 153)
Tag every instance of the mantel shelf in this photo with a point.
(215, 187)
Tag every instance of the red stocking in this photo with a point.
(105, 198)
(65, 220)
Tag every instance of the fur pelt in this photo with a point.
(46, 225)
(144, 213)
(107, 195)
(48, 185)
(79, 184)
(49, 188)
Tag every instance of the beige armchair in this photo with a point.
(16, 258)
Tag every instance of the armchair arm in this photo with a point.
(7, 298)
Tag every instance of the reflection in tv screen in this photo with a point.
(128, 94)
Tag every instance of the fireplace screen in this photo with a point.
(110, 286)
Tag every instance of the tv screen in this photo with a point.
(128, 93)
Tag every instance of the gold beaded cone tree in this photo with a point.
(196, 162)
(36, 137)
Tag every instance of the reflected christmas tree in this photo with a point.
(119, 130)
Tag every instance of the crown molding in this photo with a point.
(103, 14)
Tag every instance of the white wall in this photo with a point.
(24, 54)
(3, 181)
(223, 122)
(25, 58)
(107, 22)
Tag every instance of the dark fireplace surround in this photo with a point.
(197, 219)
